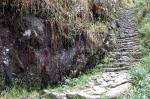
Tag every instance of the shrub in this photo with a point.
(141, 78)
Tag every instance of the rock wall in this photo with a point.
(39, 48)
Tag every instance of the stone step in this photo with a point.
(119, 64)
(136, 56)
(123, 60)
(128, 37)
(131, 43)
(129, 46)
(126, 41)
(130, 51)
(129, 34)
(125, 30)
(120, 60)
(129, 31)
(117, 57)
(110, 69)
(131, 26)
(132, 21)
(124, 53)
(126, 24)
(127, 49)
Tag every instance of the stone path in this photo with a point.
(116, 80)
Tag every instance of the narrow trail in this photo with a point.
(116, 80)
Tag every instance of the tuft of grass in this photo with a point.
(142, 9)
(143, 15)
(17, 93)
(93, 26)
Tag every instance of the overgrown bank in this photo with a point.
(45, 41)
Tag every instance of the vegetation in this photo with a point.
(141, 78)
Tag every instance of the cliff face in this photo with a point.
(44, 41)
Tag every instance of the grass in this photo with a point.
(93, 26)
(16, 93)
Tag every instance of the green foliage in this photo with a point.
(143, 14)
(141, 78)
(141, 70)
(97, 25)
(144, 28)
(143, 9)
(106, 59)
(16, 93)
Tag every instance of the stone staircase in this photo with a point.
(116, 80)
